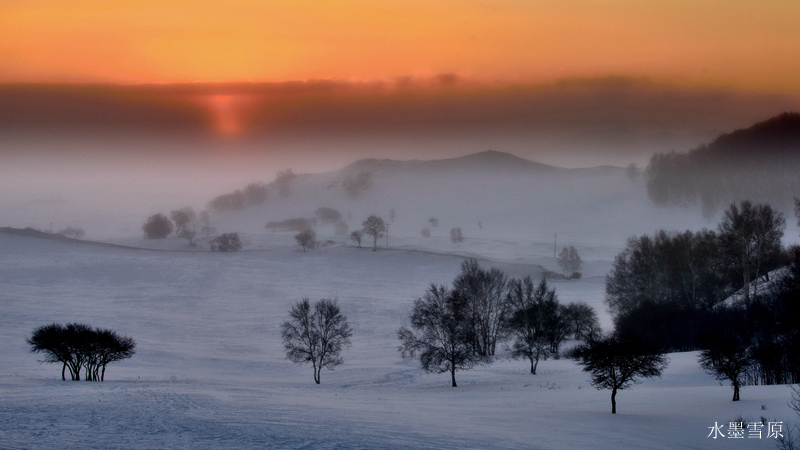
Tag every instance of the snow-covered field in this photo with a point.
(210, 372)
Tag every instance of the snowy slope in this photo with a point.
(210, 371)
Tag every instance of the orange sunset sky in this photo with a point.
(744, 45)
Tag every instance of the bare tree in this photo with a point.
(485, 292)
(182, 218)
(456, 237)
(569, 260)
(750, 238)
(442, 340)
(527, 321)
(618, 364)
(374, 226)
(307, 239)
(583, 322)
(356, 237)
(317, 337)
(727, 357)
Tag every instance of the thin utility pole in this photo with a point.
(555, 242)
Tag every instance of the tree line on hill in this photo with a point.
(758, 163)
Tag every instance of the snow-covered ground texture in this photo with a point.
(210, 371)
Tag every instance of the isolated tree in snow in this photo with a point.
(456, 236)
(185, 220)
(618, 364)
(374, 226)
(182, 218)
(228, 242)
(569, 260)
(425, 232)
(750, 238)
(157, 226)
(727, 351)
(306, 238)
(441, 335)
(356, 237)
(434, 222)
(317, 337)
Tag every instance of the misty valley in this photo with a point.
(479, 301)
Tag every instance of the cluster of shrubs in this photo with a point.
(80, 347)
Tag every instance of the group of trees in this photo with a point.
(459, 328)
(663, 287)
(80, 347)
(186, 223)
(374, 227)
(715, 291)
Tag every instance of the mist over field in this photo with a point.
(522, 175)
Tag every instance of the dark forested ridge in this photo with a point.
(759, 163)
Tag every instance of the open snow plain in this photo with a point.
(210, 372)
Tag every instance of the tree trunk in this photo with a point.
(453, 376)
(103, 373)
(316, 374)
(614, 401)
(735, 392)
(534, 365)
(63, 370)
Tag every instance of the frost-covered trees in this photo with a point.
(617, 364)
(570, 261)
(78, 346)
(316, 336)
(306, 239)
(157, 226)
(374, 226)
(441, 335)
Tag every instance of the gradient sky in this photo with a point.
(744, 45)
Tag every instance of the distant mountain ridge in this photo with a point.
(486, 161)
